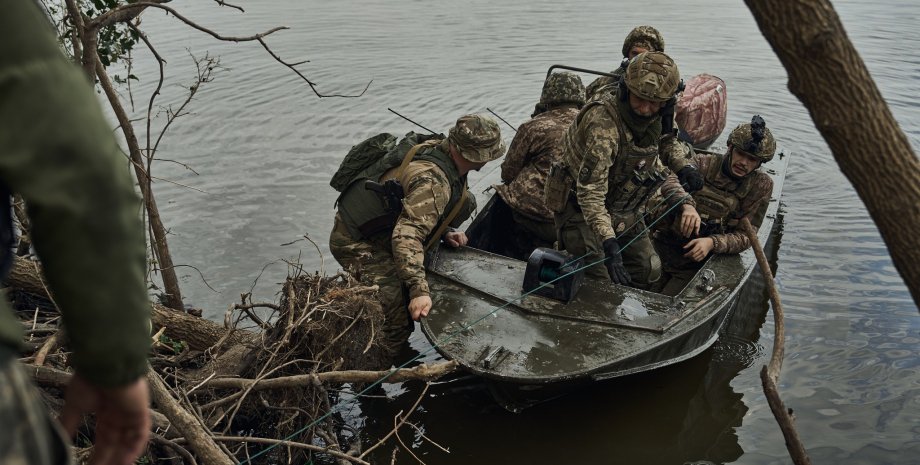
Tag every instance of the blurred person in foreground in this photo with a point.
(57, 151)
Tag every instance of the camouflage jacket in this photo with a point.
(753, 205)
(598, 133)
(58, 152)
(534, 148)
(427, 193)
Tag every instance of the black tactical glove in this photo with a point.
(614, 262)
(690, 179)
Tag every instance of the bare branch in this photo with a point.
(310, 83)
(201, 275)
(399, 423)
(424, 372)
(162, 441)
(121, 14)
(299, 445)
(769, 376)
(206, 30)
(180, 184)
(223, 3)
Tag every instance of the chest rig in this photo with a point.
(635, 174)
(719, 201)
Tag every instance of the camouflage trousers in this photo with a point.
(373, 260)
(677, 270)
(639, 257)
(29, 435)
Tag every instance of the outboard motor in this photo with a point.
(552, 273)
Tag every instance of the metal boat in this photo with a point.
(482, 319)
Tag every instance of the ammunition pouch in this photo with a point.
(635, 191)
(558, 188)
(391, 194)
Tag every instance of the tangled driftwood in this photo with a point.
(209, 379)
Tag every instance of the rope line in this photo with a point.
(450, 337)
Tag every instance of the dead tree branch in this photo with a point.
(769, 376)
(197, 435)
(424, 372)
(399, 423)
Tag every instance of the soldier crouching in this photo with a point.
(386, 243)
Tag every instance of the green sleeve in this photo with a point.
(58, 152)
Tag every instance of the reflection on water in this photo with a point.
(265, 147)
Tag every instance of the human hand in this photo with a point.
(690, 221)
(698, 248)
(614, 262)
(419, 307)
(690, 178)
(455, 238)
(122, 418)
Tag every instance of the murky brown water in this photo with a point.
(265, 147)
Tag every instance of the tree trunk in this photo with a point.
(827, 74)
(160, 246)
(86, 36)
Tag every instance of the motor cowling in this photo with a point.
(553, 273)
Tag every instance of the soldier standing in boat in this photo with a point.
(534, 149)
(388, 246)
(614, 158)
(734, 188)
(640, 39)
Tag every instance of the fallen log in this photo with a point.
(189, 427)
(424, 372)
(199, 333)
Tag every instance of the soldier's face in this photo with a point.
(633, 52)
(644, 107)
(743, 163)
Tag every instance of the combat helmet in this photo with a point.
(652, 76)
(477, 138)
(754, 138)
(646, 37)
(561, 88)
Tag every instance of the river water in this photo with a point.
(264, 146)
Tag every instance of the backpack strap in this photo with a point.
(450, 217)
(411, 154)
(453, 212)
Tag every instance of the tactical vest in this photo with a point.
(363, 211)
(635, 174)
(718, 206)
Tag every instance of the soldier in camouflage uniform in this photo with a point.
(535, 147)
(640, 39)
(434, 184)
(614, 158)
(707, 222)
(57, 151)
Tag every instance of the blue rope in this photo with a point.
(449, 337)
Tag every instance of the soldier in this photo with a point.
(611, 161)
(389, 246)
(59, 154)
(734, 188)
(535, 147)
(640, 39)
